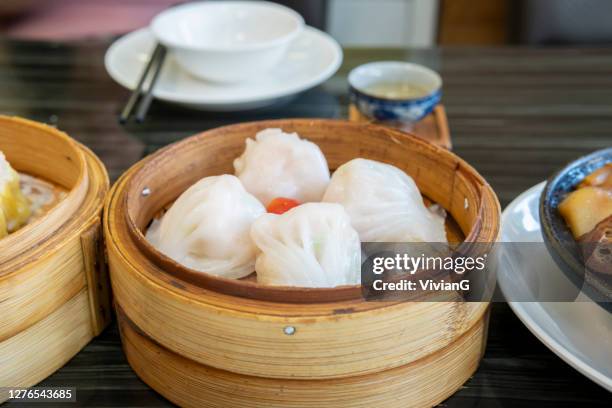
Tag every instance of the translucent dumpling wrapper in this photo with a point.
(278, 164)
(384, 203)
(312, 245)
(14, 206)
(208, 228)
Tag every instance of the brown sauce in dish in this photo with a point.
(597, 247)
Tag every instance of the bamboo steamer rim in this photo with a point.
(74, 217)
(485, 229)
(41, 229)
(80, 220)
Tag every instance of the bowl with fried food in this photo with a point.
(576, 220)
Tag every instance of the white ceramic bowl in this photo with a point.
(229, 41)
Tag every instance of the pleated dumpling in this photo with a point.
(384, 203)
(208, 228)
(312, 245)
(278, 164)
(14, 206)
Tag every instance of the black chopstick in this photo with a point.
(145, 102)
(153, 61)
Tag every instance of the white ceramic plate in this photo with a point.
(312, 58)
(579, 332)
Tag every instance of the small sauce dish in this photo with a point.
(394, 91)
(229, 41)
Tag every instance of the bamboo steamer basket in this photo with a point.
(202, 340)
(54, 289)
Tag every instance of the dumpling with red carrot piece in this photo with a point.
(311, 245)
(278, 164)
(384, 203)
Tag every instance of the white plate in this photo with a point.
(579, 332)
(312, 58)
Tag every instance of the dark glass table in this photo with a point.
(515, 114)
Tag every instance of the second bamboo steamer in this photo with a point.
(54, 291)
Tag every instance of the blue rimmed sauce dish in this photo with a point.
(394, 90)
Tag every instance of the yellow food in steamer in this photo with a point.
(14, 206)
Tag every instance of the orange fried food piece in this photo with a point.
(586, 207)
(601, 177)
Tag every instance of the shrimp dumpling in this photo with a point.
(208, 228)
(312, 245)
(15, 208)
(278, 164)
(384, 203)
